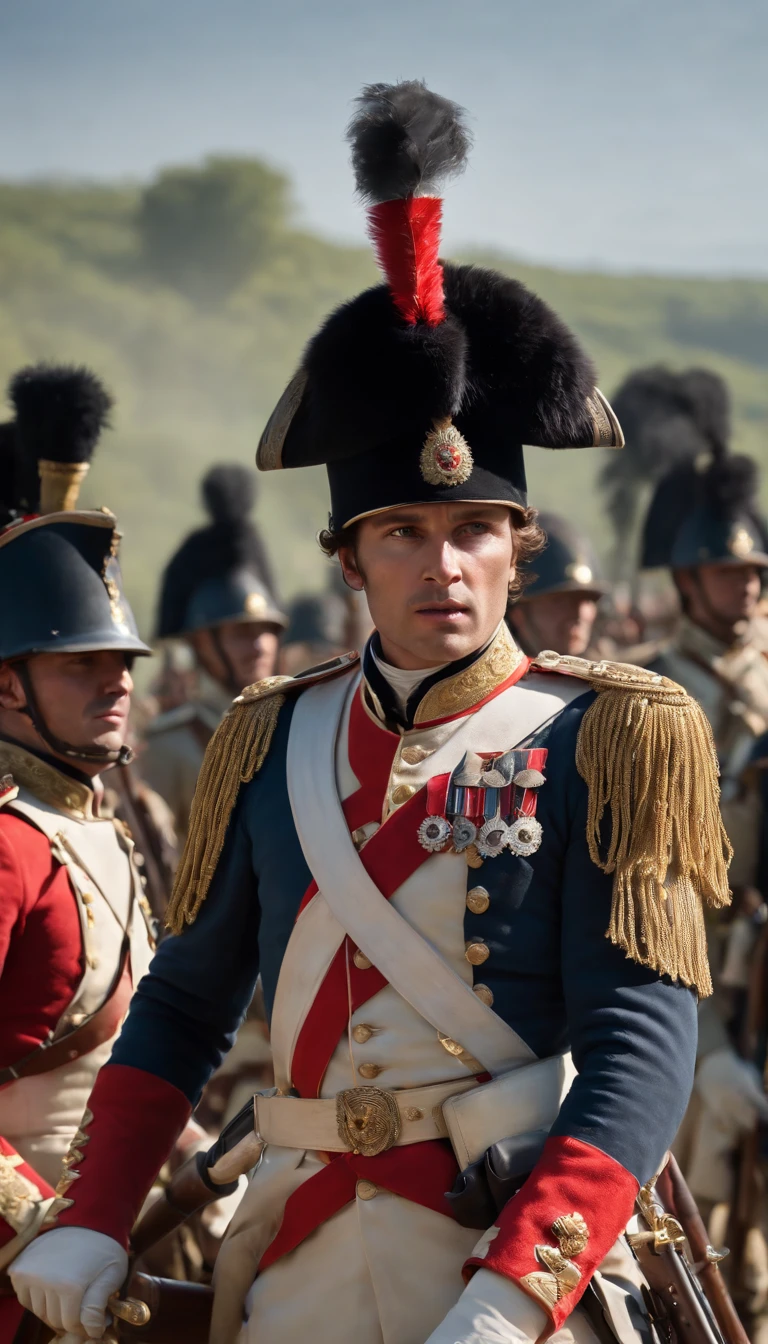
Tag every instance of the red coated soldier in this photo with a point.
(75, 929)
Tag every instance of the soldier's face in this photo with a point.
(559, 621)
(84, 698)
(436, 577)
(238, 653)
(723, 593)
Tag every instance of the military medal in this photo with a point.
(524, 836)
(486, 806)
(434, 834)
(435, 830)
(464, 834)
(493, 838)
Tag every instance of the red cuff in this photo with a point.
(132, 1122)
(31, 1187)
(556, 1231)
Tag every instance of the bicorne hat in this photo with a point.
(424, 389)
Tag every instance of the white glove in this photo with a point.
(731, 1089)
(491, 1310)
(66, 1276)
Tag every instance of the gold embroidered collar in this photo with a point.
(460, 692)
(48, 784)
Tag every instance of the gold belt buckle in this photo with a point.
(368, 1120)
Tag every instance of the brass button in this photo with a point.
(413, 1113)
(478, 900)
(415, 755)
(401, 794)
(477, 953)
(361, 961)
(369, 1070)
(362, 1033)
(366, 1190)
(484, 994)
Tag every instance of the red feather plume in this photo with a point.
(406, 238)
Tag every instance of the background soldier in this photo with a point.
(75, 931)
(216, 595)
(703, 524)
(557, 609)
(410, 848)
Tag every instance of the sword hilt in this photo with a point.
(130, 1310)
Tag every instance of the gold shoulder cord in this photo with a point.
(235, 753)
(646, 753)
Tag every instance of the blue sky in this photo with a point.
(622, 134)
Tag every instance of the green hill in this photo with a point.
(197, 367)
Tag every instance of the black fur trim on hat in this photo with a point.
(373, 379)
(523, 360)
(60, 412)
(405, 141)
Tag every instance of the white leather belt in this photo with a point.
(367, 1120)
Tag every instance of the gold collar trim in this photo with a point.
(48, 784)
(466, 689)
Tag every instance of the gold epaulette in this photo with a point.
(235, 753)
(645, 751)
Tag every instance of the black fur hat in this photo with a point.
(220, 572)
(425, 388)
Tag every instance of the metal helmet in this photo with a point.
(567, 564)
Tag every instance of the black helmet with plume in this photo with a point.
(61, 587)
(677, 427)
(220, 572)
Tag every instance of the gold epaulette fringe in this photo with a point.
(646, 753)
(235, 753)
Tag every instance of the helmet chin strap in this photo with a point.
(93, 755)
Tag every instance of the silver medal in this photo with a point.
(434, 834)
(524, 836)
(464, 834)
(492, 838)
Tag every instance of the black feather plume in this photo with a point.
(729, 488)
(229, 492)
(405, 141)
(669, 419)
(710, 406)
(672, 500)
(229, 543)
(60, 412)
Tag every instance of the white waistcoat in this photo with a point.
(39, 1114)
